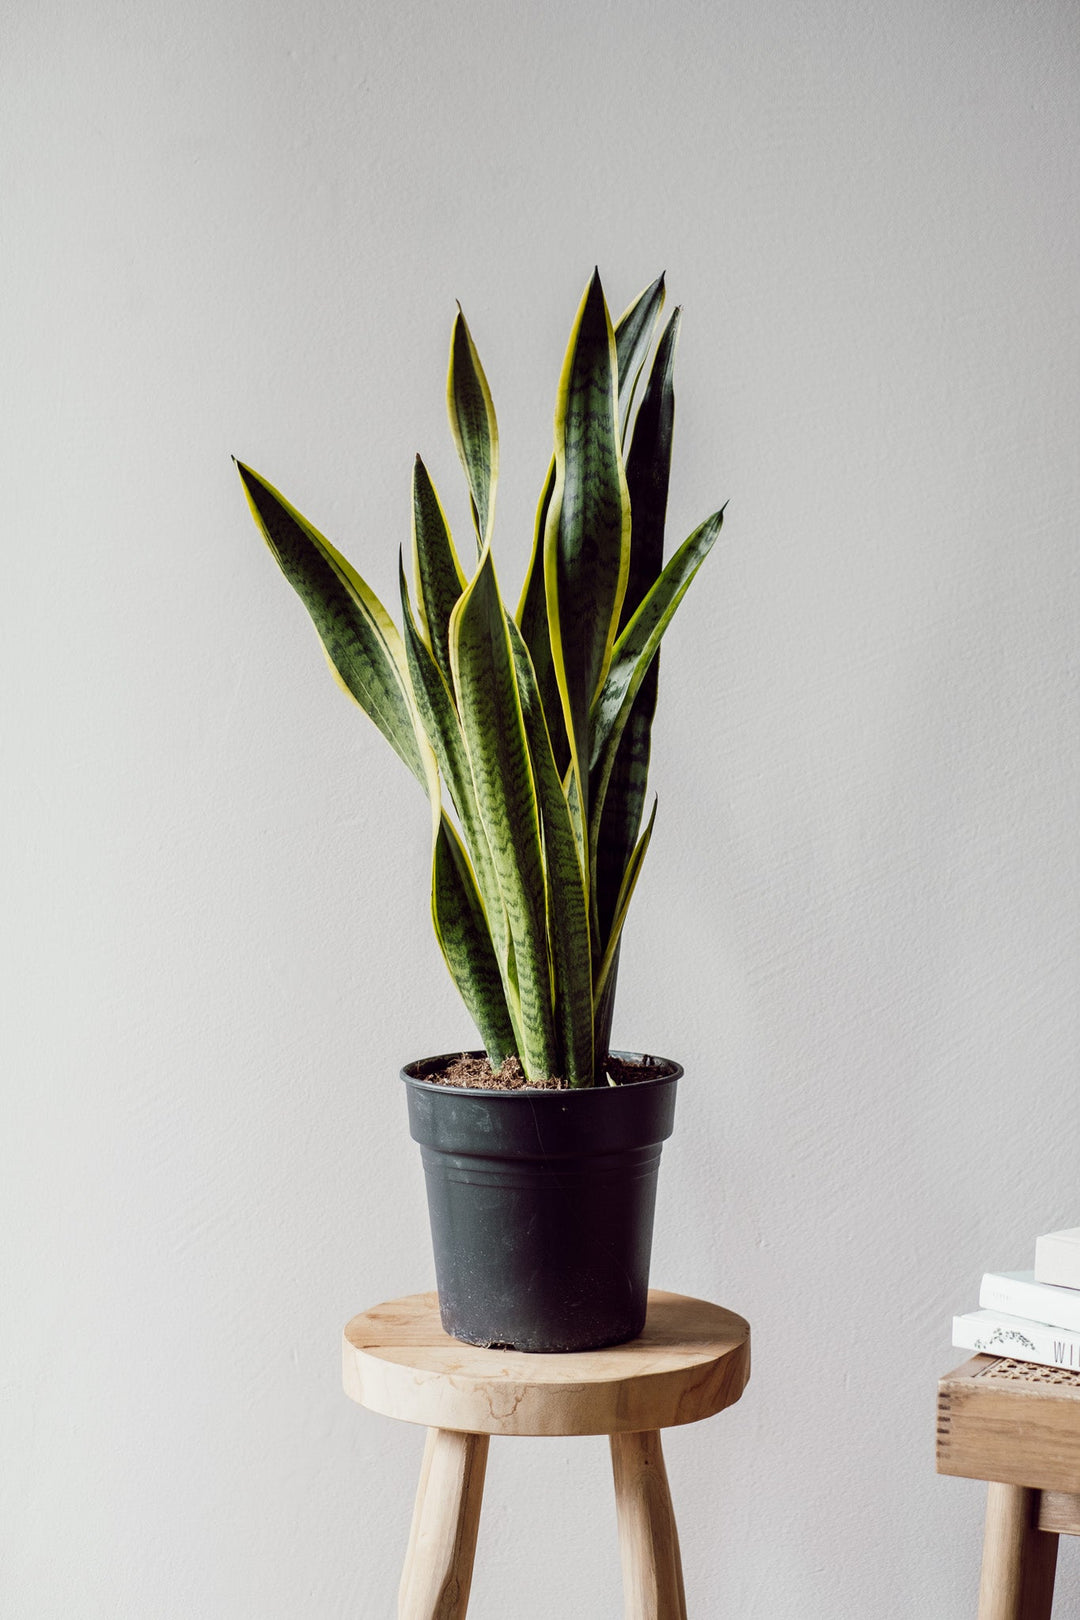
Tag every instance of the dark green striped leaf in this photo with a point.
(359, 638)
(439, 718)
(567, 899)
(532, 620)
(439, 576)
(648, 470)
(634, 652)
(437, 713)
(587, 535)
(648, 473)
(472, 422)
(491, 719)
(462, 931)
(602, 1017)
(633, 335)
(626, 892)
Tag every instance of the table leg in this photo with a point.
(648, 1539)
(1019, 1559)
(442, 1542)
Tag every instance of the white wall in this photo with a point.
(241, 228)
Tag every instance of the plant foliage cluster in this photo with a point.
(529, 731)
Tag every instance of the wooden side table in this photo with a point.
(692, 1360)
(1017, 1426)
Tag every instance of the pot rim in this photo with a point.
(671, 1071)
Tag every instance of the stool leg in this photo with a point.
(1019, 1559)
(418, 1514)
(439, 1562)
(648, 1539)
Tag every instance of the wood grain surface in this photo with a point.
(437, 1577)
(1018, 1431)
(692, 1360)
(1059, 1513)
(648, 1538)
(1019, 1560)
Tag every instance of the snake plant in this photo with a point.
(528, 731)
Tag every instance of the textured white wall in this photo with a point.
(241, 228)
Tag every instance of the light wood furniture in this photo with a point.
(1017, 1426)
(692, 1360)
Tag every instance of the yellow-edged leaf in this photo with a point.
(567, 894)
(360, 639)
(440, 578)
(587, 530)
(472, 422)
(488, 702)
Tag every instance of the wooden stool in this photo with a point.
(692, 1360)
(1016, 1425)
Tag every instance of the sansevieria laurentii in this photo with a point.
(528, 731)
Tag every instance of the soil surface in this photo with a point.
(624, 1074)
(476, 1074)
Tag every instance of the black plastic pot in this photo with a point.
(541, 1205)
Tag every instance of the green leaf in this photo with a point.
(587, 532)
(359, 638)
(567, 897)
(439, 717)
(633, 335)
(634, 652)
(648, 470)
(472, 422)
(602, 1017)
(369, 660)
(439, 576)
(629, 883)
(491, 719)
(620, 815)
(462, 931)
(532, 620)
(472, 934)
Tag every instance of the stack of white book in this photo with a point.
(1030, 1315)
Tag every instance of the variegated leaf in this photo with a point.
(485, 687)
(648, 469)
(440, 579)
(603, 1011)
(633, 336)
(629, 883)
(587, 533)
(360, 639)
(634, 652)
(567, 898)
(440, 720)
(532, 619)
(472, 422)
(462, 931)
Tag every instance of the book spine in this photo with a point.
(1036, 1302)
(996, 1334)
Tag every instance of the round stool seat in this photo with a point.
(692, 1360)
